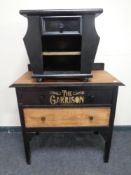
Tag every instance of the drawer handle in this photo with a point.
(91, 118)
(61, 27)
(43, 119)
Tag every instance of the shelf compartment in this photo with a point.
(61, 62)
(61, 43)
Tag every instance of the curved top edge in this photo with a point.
(95, 11)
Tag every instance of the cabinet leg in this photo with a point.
(107, 150)
(107, 135)
(27, 149)
(27, 153)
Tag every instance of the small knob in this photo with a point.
(91, 118)
(61, 27)
(43, 118)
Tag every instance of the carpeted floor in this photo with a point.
(65, 154)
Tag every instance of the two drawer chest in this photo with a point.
(67, 106)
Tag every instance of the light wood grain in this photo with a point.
(99, 76)
(60, 53)
(66, 117)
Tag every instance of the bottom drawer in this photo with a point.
(66, 117)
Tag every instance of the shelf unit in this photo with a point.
(61, 40)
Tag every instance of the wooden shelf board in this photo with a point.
(68, 53)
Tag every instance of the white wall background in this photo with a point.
(113, 27)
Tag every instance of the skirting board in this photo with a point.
(18, 128)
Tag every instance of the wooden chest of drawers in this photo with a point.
(67, 106)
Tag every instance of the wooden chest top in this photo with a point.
(100, 77)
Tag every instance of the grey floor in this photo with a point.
(65, 154)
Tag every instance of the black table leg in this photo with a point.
(107, 135)
(26, 140)
(107, 150)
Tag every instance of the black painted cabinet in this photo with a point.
(67, 106)
(61, 43)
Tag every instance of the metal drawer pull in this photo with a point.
(43, 118)
(61, 27)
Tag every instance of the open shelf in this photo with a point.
(61, 53)
(61, 62)
(60, 43)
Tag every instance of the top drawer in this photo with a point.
(61, 25)
(67, 96)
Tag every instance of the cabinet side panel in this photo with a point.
(33, 44)
(90, 41)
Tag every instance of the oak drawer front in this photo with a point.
(61, 24)
(66, 117)
(67, 96)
